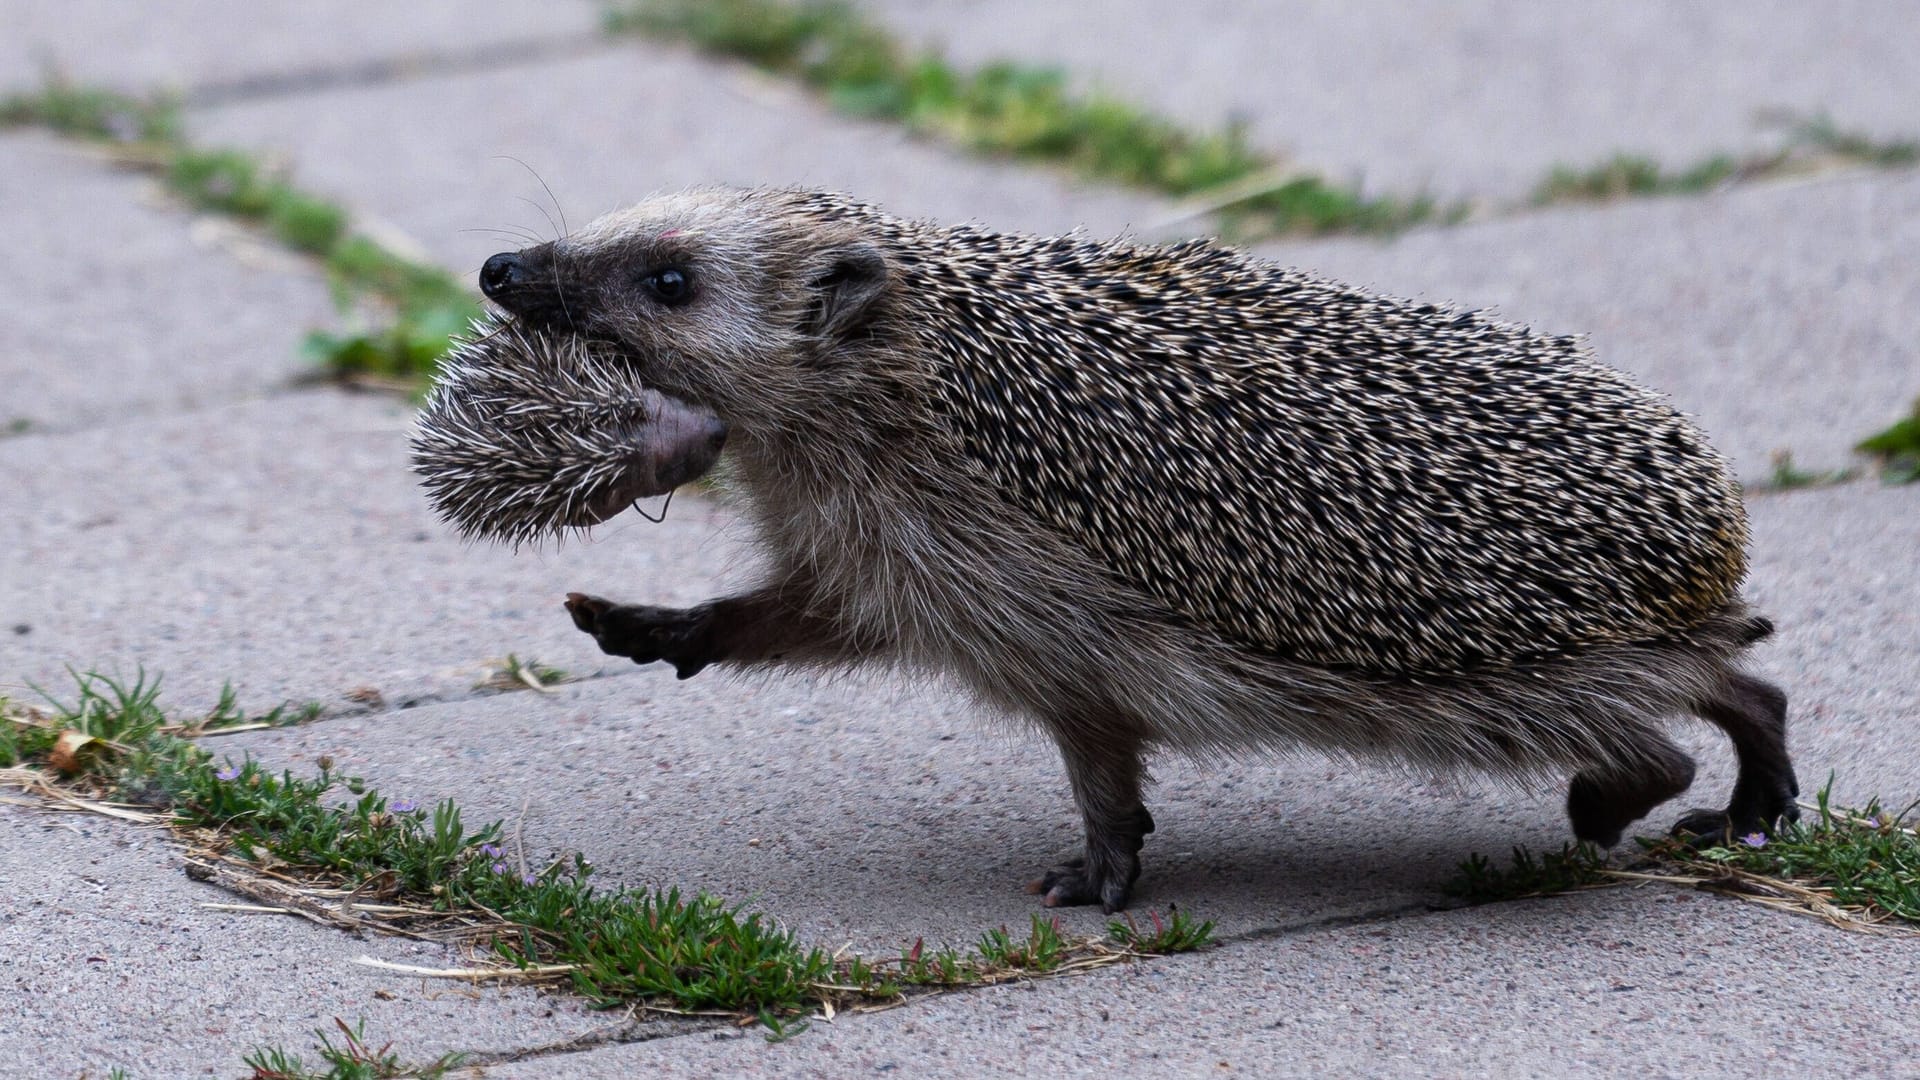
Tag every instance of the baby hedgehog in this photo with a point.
(1149, 497)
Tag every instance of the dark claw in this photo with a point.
(1706, 827)
(1070, 885)
(1076, 882)
(586, 610)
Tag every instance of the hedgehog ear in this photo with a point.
(843, 293)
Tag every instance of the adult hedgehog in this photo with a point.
(1147, 496)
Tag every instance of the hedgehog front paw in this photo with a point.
(682, 637)
(1075, 882)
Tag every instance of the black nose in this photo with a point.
(500, 273)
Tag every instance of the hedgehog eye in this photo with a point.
(670, 285)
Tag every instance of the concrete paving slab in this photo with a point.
(1783, 316)
(202, 44)
(284, 545)
(442, 157)
(1479, 98)
(114, 959)
(1644, 983)
(126, 306)
(863, 810)
(860, 811)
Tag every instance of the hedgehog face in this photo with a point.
(713, 297)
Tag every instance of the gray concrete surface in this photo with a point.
(111, 958)
(123, 305)
(174, 505)
(203, 45)
(1616, 983)
(1462, 99)
(451, 160)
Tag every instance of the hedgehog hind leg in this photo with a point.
(1106, 774)
(1603, 800)
(1753, 713)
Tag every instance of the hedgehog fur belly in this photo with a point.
(1174, 496)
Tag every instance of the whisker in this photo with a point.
(527, 236)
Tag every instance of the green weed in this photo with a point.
(351, 1059)
(1809, 143)
(1629, 174)
(1897, 448)
(514, 673)
(1853, 867)
(1016, 111)
(1041, 951)
(1575, 866)
(1864, 861)
(93, 113)
(1177, 933)
(1784, 475)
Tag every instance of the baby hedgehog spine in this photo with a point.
(1175, 496)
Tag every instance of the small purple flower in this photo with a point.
(528, 879)
(491, 851)
(1872, 822)
(227, 773)
(1754, 840)
(499, 868)
(402, 806)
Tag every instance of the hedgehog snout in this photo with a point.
(525, 285)
(501, 273)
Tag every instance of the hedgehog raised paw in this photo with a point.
(1146, 496)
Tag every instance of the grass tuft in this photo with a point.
(1784, 475)
(1177, 933)
(1575, 866)
(418, 308)
(351, 1059)
(1017, 111)
(1859, 869)
(1861, 861)
(1811, 143)
(1897, 448)
(93, 113)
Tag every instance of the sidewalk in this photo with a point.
(175, 500)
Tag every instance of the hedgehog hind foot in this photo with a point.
(1705, 827)
(1603, 800)
(1103, 760)
(1753, 713)
(1105, 876)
